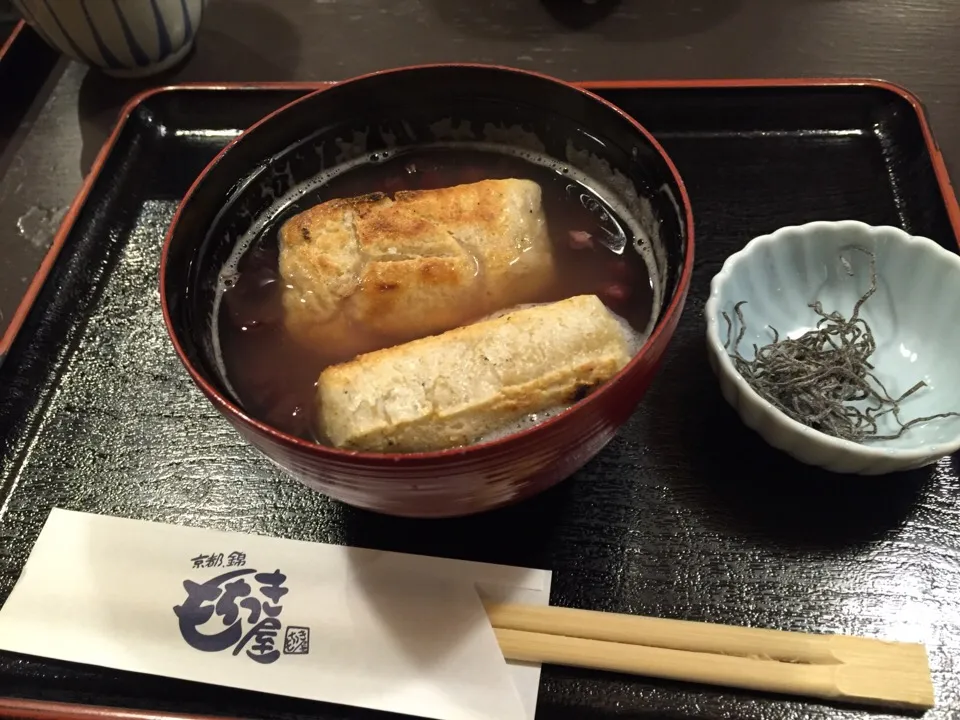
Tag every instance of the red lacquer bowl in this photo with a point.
(412, 106)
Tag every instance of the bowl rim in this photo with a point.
(837, 227)
(231, 409)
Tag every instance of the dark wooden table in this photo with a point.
(910, 42)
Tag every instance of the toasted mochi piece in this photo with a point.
(358, 269)
(453, 389)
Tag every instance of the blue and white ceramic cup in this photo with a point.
(125, 38)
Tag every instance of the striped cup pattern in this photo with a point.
(126, 38)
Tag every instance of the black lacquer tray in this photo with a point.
(686, 514)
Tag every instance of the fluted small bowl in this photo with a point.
(913, 316)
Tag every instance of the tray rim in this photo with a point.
(39, 708)
(129, 108)
(11, 38)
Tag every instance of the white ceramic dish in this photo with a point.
(914, 316)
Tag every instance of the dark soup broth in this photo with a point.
(274, 377)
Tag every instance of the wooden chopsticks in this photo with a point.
(833, 667)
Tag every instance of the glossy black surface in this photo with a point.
(685, 514)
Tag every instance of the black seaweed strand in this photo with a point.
(824, 378)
